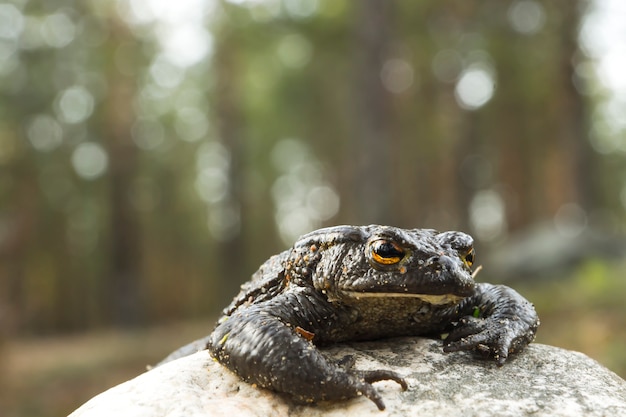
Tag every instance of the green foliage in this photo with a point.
(596, 278)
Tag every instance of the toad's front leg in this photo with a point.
(496, 320)
(264, 347)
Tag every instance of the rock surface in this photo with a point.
(542, 381)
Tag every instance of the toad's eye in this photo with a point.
(386, 252)
(468, 258)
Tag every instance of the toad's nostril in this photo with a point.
(433, 262)
(445, 262)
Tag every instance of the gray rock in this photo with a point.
(541, 381)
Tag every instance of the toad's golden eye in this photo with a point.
(386, 252)
(468, 258)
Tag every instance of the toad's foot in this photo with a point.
(368, 377)
(360, 382)
(501, 322)
(495, 338)
(477, 335)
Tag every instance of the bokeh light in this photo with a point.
(294, 51)
(302, 196)
(90, 160)
(526, 16)
(58, 30)
(11, 21)
(45, 133)
(476, 86)
(570, 220)
(397, 75)
(212, 165)
(488, 215)
(74, 105)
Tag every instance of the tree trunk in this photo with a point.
(233, 254)
(123, 284)
(369, 200)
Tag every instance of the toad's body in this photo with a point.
(349, 283)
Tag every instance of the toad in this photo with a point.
(354, 283)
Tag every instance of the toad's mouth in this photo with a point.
(438, 299)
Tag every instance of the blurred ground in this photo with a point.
(53, 376)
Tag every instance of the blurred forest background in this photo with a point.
(153, 153)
